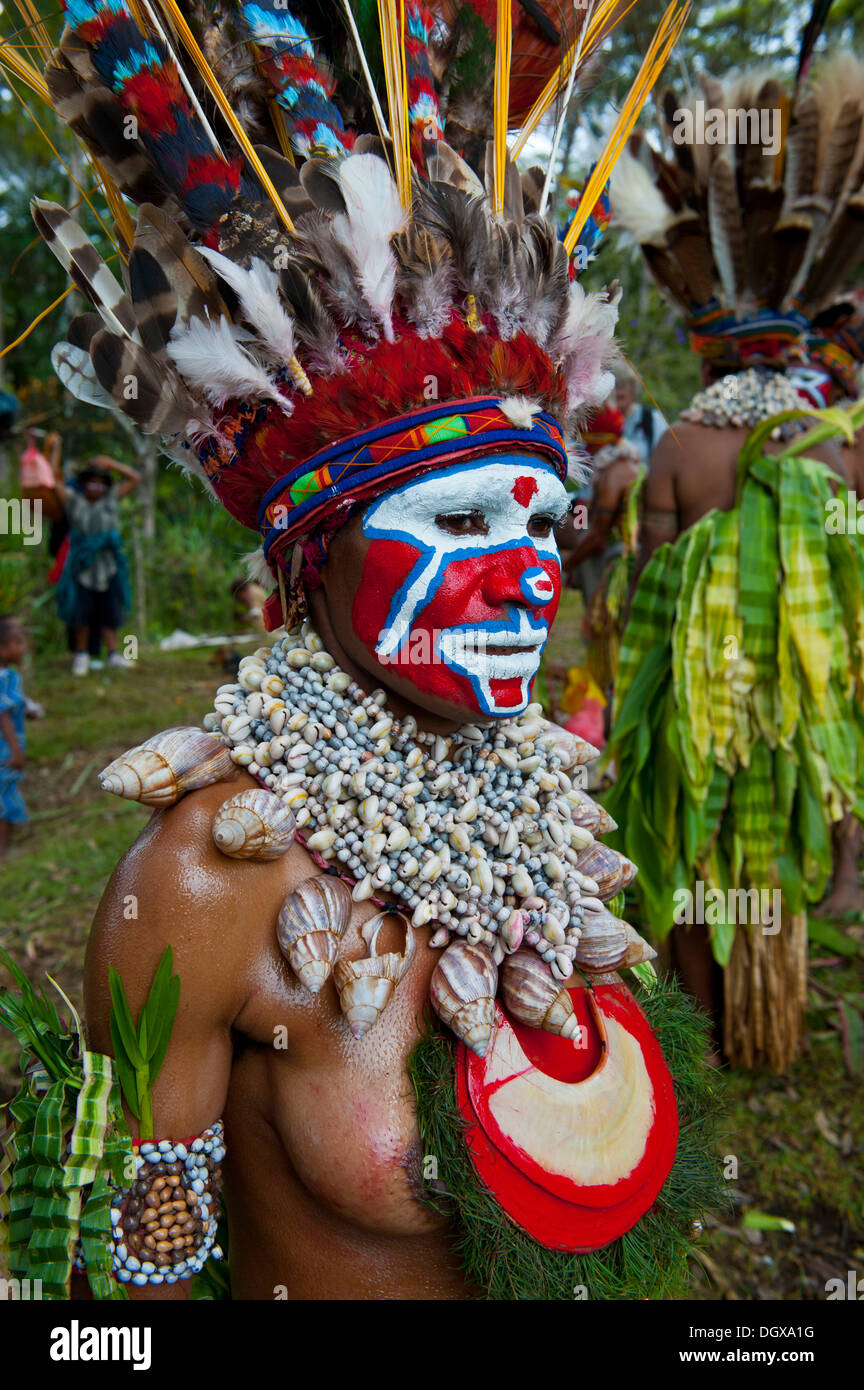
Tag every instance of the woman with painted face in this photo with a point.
(375, 817)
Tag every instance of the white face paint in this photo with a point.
(465, 557)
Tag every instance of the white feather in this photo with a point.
(373, 216)
(520, 411)
(210, 359)
(589, 315)
(584, 349)
(637, 204)
(75, 370)
(579, 469)
(257, 568)
(258, 291)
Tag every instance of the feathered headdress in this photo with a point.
(756, 224)
(310, 313)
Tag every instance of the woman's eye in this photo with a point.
(541, 525)
(463, 523)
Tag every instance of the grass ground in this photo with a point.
(54, 874)
(791, 1146)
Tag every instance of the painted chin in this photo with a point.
(466, 669)
(498, 671)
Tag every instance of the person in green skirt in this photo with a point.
(737, 733)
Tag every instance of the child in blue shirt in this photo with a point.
(13, 740)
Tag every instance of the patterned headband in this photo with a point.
(376, 460)
(835, 358)
(717, 335)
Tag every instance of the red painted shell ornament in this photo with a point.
(574, 1142)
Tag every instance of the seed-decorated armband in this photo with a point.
(164, 1225)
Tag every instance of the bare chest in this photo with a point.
(336, 1112)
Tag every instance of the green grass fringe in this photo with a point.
(651, 1260)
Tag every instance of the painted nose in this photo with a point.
(516, 577)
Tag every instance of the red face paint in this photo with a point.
(482, 591)
(524, 489)
(456, 596)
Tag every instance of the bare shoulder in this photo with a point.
(677, 447)
(174, 887)
(832, 453)
(614, 481)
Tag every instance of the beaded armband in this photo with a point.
(164, 1225)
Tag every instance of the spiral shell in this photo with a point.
(586, 813)
(608, 943)
(163, 768)
(534, 997)
(254, 824)
(462, 991)
(603, 941)
(638, 949)
(610, 870)
(572, 750)
(366, 986)
(312, 921)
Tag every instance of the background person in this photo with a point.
(643, 425)
(94, 585)
(249, 599)
(14, 709)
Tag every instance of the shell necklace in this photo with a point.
(485, 831)
(745, 399)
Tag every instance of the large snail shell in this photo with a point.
(638, 949)
(610, 870)
(311, 923)
(572, 750)
(255, 824)
(589, 815)
(366, 986)
(165, 767)
(535, 997)
(603, 942)
(462, 991)
(607, 943)
(605, 822)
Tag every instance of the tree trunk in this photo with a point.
(147, 460)
(5, 455)
(765, 995)
(140, 583)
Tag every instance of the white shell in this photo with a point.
(366, 986)
(255, 824)
(164, 768)
(312, 920)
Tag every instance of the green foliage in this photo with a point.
(67, 1144)
(140, 1051)
(732, 762)
(650, 1261)
(190, 566)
